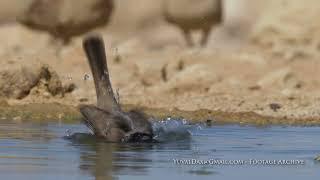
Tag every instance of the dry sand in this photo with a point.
(268, 73)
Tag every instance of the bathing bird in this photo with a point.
(190, 15)
(107, 120)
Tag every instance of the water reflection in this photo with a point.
(26, 132)
(104, 160)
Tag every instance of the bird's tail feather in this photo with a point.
(95, 51)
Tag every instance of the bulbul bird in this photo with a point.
(107, 120)
(190, 15)
(64, 19)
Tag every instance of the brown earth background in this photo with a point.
(262, 65)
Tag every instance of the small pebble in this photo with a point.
(209, 122)
(117, 59)
(83, 99)
(17, 119)
(46, 94)
(275, 107)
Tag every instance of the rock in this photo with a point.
(54, 84)
(68, 88)
(317, 158)
(191, 15)
(64, 19)
(17, 83)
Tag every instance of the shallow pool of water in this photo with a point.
(63, 151)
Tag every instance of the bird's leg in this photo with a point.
(188, 38)
(57, 44)
(205, 36)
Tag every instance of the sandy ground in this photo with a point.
(269, 72)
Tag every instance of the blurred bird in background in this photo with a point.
(190, 15)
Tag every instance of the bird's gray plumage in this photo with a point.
(107, 120)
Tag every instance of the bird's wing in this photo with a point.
(101, 121)
(96, 119)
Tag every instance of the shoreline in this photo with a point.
(53, 112)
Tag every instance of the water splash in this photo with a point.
(171, 129)
(197, 129)
(68, 133)
(165, 130)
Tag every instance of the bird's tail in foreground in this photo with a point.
(95, 51)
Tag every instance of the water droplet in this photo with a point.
(68, 132)
(86, 77)
(184, 121)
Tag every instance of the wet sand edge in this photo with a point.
(53, 112)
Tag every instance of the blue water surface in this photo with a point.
(54, 151)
